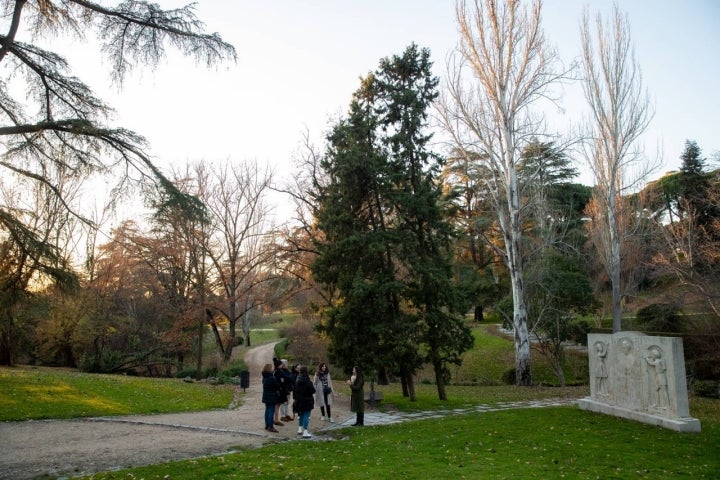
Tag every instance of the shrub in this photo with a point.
(107, 361)
(578, 331)
(659, 317)
(234, 369)
(509, 376)
(702, 352)
(186, 372)
(706, 388)
(504, 310)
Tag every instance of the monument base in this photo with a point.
(684, 424)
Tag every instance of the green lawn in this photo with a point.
(35, 393)
(557, 442)
(548, 443)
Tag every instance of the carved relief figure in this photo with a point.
(626, 391)
(601, 373)
(658, 377)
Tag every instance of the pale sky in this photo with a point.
(300, 61)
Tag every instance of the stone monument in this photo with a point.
(639, 377)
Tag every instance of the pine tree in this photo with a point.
(387, 240)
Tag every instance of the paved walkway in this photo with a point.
(374, 417)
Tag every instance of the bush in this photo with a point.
(659, 317)
(706, 388)
(509, 376)
(234, 369)
(186, 372)
(107, 361)
(578, 331)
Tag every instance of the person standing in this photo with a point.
(304, 401)
(324, 388)
(287, 384)
(357, 396)
(279, 377)
(269, 395)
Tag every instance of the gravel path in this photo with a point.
(56, 448)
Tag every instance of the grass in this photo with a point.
(493, 355)
(35, 393)
(559, 442)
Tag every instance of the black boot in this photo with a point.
(359, 420)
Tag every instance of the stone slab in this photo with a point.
(687, 424)
(640, 377)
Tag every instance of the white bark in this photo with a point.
(619, 113)
(501, 67)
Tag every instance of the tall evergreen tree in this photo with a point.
(387, 240)
(406, 89)
(355, 255)
(694, 185)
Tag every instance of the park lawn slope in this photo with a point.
(31, 393)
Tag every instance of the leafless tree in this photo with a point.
(502, 66)
(620, 111)
(296, 244)
(240, 249)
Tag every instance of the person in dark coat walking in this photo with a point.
(304, 395)
(270, 395)
(357, 396)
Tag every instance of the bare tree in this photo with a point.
(297, 244)
(620, 111)
(239, 251)
(503, 50)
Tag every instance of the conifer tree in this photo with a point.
(387, 245)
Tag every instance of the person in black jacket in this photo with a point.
(269, 396)
(304, 395)
(287, 384)
(357, 396)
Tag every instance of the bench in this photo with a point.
(378, 397)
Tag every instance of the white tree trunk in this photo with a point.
(620, 112)
(503, 49)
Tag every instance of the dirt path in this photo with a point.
(82, 446)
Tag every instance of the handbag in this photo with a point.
(327, 390)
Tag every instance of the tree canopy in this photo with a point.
(52, 124)
(386, 245)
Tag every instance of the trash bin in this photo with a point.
(244, 379)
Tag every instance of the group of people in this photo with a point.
(280, 383)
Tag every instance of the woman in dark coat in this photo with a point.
(270, 395)
(357, 396)
(304, 395)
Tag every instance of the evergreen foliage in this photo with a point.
(387, 244)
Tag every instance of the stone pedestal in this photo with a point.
(641, 378)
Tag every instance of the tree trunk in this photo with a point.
(231, 341)
(615, 269)
(201, 331)
(383, 376)
(411, 388)
(439, 378)
(513, 239)
(218, 338)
